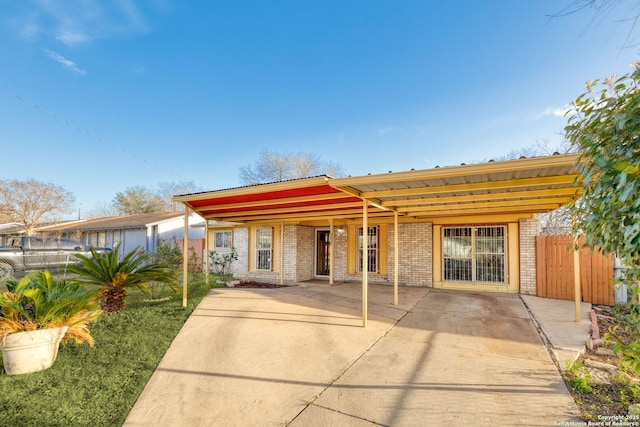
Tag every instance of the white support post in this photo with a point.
(365, 264)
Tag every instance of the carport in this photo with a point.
(519, 187)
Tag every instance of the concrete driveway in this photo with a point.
(298, 356)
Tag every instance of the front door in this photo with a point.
(323, 244)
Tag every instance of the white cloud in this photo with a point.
(71, 37)
(66, 62)
(549, 112)
(76, 22)
(388, 129)
(138, 69)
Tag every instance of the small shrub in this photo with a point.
(169, 254)
(579, 378)
(195, 262)
(626, 336)
(221, 263)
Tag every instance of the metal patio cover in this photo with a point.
(522, 186)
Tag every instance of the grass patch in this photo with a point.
(99, 385)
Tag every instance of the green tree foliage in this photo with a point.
(138, 199)
(604, 125)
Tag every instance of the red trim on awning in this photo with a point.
(289, 205)
(270, 195)
(244, 212)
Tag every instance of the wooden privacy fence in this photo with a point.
(555, 276)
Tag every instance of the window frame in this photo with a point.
(500, 257)
(224, 247)
(360, 249)
(262, 264)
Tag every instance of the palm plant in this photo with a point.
(115, 276)
(38, 301)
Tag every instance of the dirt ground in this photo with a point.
(599, 385)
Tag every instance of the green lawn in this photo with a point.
(98, 386)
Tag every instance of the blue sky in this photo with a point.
(98, 96)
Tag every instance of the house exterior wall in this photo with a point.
(529, 229)
(128, 239)
(415, 255)
(240, 267)
(419, 262)
(340, 256)
(132, 239)
(305, 253)
(174, 228)
(415, 260)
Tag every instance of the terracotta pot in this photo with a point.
(31, 351)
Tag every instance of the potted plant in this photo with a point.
(36, 314)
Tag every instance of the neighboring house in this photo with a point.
(130, 231)
(467, 227)
(11, 229)
(16, 229)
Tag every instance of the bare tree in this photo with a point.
(543, 148)
(274, 167)
(138, 199)
(167, 190)
(623, 12)
(29, 202)
(103, 209)
(557, 222)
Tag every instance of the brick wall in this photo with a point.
(528, 232)
(415, 249)
(415, 243)
(305, 253)
(340, 256)
(241, 243)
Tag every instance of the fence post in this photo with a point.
(619, 292)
